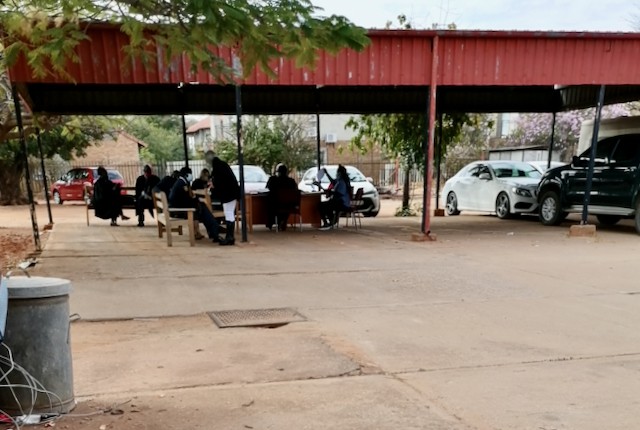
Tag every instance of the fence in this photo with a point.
(388, 177)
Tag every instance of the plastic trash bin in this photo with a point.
(38, 334)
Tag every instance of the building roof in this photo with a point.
(475, 71)
(200, 125)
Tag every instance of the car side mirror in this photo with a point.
(485, 176)
(369, 179)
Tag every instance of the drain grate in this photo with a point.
(256, 317)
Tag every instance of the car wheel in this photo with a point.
(452, 204)
(550, 211)
(56, 198)
(503, 206)
(370, 214)
(608, 219)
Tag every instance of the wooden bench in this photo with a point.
(168, 224)
(128, 202)
(205, 198)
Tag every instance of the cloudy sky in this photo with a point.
(557, 15)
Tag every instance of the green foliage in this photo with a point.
(68, 138)
(268, 141)
(404, 136)
(407, 211)
(47, 32)
(162, 134)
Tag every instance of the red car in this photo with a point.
(72, 185)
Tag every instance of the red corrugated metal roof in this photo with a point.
(395, 57)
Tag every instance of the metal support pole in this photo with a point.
(44, 176)
(553, 140)
(25, 150)
(319, 161)
(428, 173)
(439, 157)
(592, 158)
(243, 209)
(184, 142)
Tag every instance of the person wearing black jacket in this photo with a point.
(167, 182)
(181, 196)
(226, 189)
(106, 198)
(144, 193)
(278, 184)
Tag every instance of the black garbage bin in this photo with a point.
(38, 335)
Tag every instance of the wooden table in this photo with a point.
(257, 209)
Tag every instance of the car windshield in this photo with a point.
(355, 175)
(251, 173)
(515, 170)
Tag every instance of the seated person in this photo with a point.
(106, 198)
(201, 183)
(283, 197)
(181, 196)
(144, 198)
(166, 183)
(339, 194)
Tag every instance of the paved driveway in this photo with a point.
(499, 324)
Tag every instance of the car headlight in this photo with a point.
(522, 192)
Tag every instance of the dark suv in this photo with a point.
(614, 192)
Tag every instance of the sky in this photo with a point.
(545, 15)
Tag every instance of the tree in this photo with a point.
(403, 137)
(46, 32)
(535, 128)
(268, 141)
(69, 138)
(162, 134)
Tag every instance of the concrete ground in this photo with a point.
(499, 324)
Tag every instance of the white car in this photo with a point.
(541, 166)
(501, 187)
(371, 198)
(255, 178)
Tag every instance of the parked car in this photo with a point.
(371, 198)
(71, 186)
(503, 187)
(541, 166)
(255, 178)
(614, 189)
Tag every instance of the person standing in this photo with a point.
(106, 198)
(144, 193)
(226, 189)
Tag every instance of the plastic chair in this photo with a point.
(353, 211)
(356, 203)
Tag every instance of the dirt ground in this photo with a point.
(16, 244)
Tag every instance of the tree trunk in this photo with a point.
(405, 188)
(10, 191)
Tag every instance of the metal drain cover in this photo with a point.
(255, 317)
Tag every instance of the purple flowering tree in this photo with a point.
(535, 128)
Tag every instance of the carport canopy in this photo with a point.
(402, 71)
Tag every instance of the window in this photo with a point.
(627, 149)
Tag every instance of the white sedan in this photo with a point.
(501, 187)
